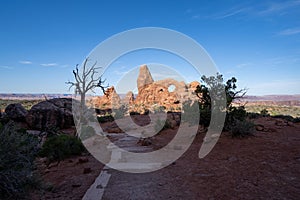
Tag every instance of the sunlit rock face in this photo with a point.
(167, 94)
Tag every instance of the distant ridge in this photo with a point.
(16, 96)
(248, 98)
(274, 97)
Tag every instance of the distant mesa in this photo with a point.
(151, 94)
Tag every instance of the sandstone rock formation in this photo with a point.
(144, 77)
(110, 100)
(51, 113)
(129, 98)
(157, 93)
(16, 112)
(151, 94)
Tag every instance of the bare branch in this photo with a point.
(86, 79)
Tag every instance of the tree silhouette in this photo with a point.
(85, 81)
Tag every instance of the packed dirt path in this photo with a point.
(266, 166)
(263, 166)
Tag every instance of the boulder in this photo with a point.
(16, 112)
(53, 113)
(260, 127)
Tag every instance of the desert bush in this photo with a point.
(264, 112)
(59, 147)
(205, 116)
(191, 112)
(17, 153)
(106, 118)
(161, 125)
(234, 114)
(159, 109)
(241, 128)
(252, 115)
(158, 125)
(296, 120)
(120, 112)
(87, 132)
(214, 91)
(285, 117)
(288, 118)
(134, 113)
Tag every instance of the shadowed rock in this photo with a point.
(51, 113)
(16, 112)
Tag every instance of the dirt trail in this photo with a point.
(266, 166)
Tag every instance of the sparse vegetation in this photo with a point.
(241, 128)
(161, 125)
(288, 118)
(59, 147)
(264, 112)
(17, 153)
(105, 118)
(27, 104)
(273, 110)
(191, 112)
(87, 132)
(120, 112)
(236, 121)
(158, 109)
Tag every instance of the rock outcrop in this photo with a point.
(144, 77)
(110, 100)
(152, 94)
(16, 112)
(129, 98)
(51, 113)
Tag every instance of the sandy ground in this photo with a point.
(265, 166)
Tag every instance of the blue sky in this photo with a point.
(256, 41)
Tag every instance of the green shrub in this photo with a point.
(296, 120)
(285, 117)
(119, 113)
(242, 128)
(159, 109)
(205, 116)
(160, 125)
(234, 114)
(252, 115)
(134, 113)
(59, 147)
(17, 153)
(191, 112)
(264, 112)
(106, 118)
(87, 132)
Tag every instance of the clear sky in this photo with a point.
(256, 41)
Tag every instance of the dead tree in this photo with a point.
(85, 81)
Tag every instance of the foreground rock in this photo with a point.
(16, 112)
(53, 113)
